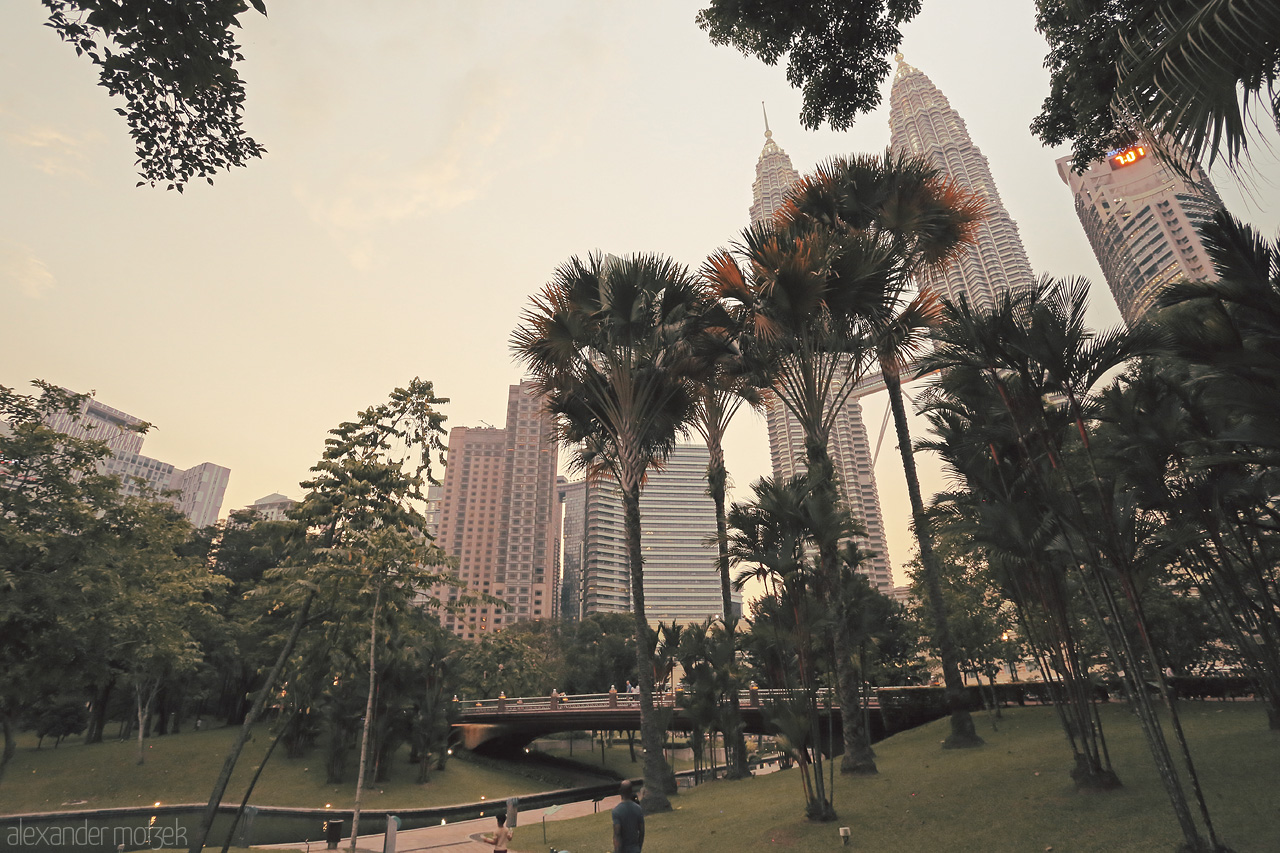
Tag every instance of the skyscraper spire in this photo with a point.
(774, 178)
(848, 444)
(922, 123)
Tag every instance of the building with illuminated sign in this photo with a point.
(499, 515)
(923, 123)
(848, 444)
(1142, 220)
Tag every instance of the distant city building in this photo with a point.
(678, 520)
(848, 445)
(435, 497)
(499, 515)
(923, 123)
(273, 507)
(902, 595)
(850, 451)
(573, 513)
(678, 523)
(199, 490)
(102, 423)
(605, 580)
(1143, 221)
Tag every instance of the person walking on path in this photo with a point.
(502, 836)
(628, 822)
(513, 810)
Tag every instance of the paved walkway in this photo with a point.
(465, 836)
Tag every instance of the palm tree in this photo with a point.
(800, 304)
(772, 537)
(1192, 71)
(1044, 372)
(990, 510)
(606, 345)
(924, 223)
(728, 384)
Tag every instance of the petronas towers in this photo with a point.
(921, 123)
(848, 445)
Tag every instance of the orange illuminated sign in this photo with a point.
(1128, 156)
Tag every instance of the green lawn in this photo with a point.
(181, 769)
(1012, 795)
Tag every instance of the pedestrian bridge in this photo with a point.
(506, 725)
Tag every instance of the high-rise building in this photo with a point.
(102, 423)
(196, 492)
(605, 580)
(273, 507)
(775, 176)
(1142, 219)
(678, 523)
(848, 445)
(499, 515)
(573, 513)
(923, 123)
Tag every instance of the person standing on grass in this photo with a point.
(502, 836)
(628, 822)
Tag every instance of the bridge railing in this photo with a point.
(616, 701)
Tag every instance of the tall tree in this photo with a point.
(772, 538)
(1185, 72)
(153, 598)
(837, 53)
(372, 475)
(729, 382)
(398, 565)
(924, 222)
(607, 345)
(175, 66)
(52, 499)
(1046, 374)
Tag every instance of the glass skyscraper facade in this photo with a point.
(678, 528)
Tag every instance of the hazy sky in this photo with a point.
(430, 165)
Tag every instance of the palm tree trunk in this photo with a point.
(735, 740)
(859, 758)
(656, 770)
(233, 755)
(963, 734)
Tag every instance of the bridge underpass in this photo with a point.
(507, 726)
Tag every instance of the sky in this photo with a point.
(429, 166)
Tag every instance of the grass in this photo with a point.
(181, 769)
(1014, 794)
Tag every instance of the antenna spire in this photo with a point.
(768, 134)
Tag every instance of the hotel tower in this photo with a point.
(499, 515)
(1143, 221)
(848, 445)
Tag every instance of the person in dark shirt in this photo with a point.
(628, 822)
